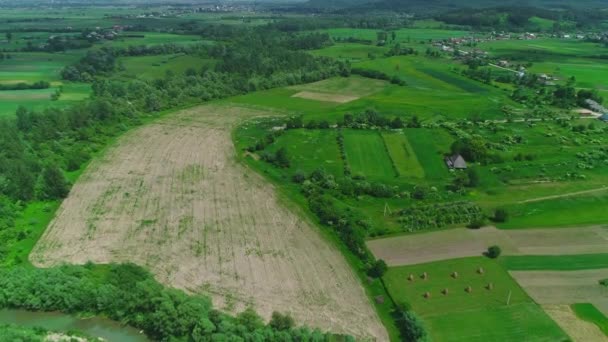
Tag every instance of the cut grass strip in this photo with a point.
(554, 262)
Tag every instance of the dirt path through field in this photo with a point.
(576, 328)
(462, 242)
(172, 197)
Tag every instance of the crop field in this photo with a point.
(339, 89)
(154, 38)
(461, 315)
(403, 35)
(172, 197)
(541, 49)
(367, 155)
(433, 145)
(353, 52)
(461, 242)
(588, 72)
(403, 155)
(565, 287)
(588, 312)
(577, 328)
(555, 262)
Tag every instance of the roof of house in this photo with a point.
(456, 162)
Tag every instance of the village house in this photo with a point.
(455, 162)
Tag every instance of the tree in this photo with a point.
(473, 177)
(472, 149)
(281, 321)
(493, 252)
(500, 215)
(281, 159)
(55, 186)
(377, 269)
(250, 319)
(410, 326)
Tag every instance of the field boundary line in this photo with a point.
(570, 194)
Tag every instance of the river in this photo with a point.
(59, 322)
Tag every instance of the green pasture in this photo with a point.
(542, 49)
(581, 210)
(554, 262)
(39, 99)
(430, 146)
(30, 67)
(588, 312)
(403, 155)
(153, 38)
(353, 52)
(404, 35)
(589, 73)
(152, 67)
(310, 149)
(367, 155)
(479, 315)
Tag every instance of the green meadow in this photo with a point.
(460, 315)
(153, 67)
(403, 155)
(367, 155)
(554, 262)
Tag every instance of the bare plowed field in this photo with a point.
(459, 243)
(172, 197)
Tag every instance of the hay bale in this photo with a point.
(379, 299)
(469, 289)
(410, 277)
(445, 291)
(427, 295)
(490, 286)
(454, 274)
(425, 276)
(480, 270)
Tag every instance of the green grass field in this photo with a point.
(554, 262)
(567, 211)
(153, 67)
(367, 155)
(430, 147)
(480, 315)
(403, 155)
(588, 312)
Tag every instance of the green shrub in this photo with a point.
(493, 252)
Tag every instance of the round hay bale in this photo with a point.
(480, 270)
(454, 274)
(425, 276)
(490, 286)
(445, 291)
(469, 289)
(410, 277)
(427, 295)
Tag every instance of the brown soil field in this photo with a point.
(171, 196)
(461, 242)
(325, 97)
(576, 328)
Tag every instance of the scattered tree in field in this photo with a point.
(250, 319)
(377, 269)
(500, 215)
(299, 177)
(493, 252)
(471, 149)
(410, 326)
(281, 158)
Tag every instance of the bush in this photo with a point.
(281, 321)
(604, 282)
(493, 252)
(500, 215)
(299, 177)
(476, 223)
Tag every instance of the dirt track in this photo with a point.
(171, 196)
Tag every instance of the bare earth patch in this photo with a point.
(461, 242)
(576, 328)
(171, 196)
(325, 97)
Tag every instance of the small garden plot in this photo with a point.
(367, 155)
(403, 156)
(432, 216)
(430, 146)
(310, 149)
(455, 296)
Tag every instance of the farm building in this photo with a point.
(455, 162)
